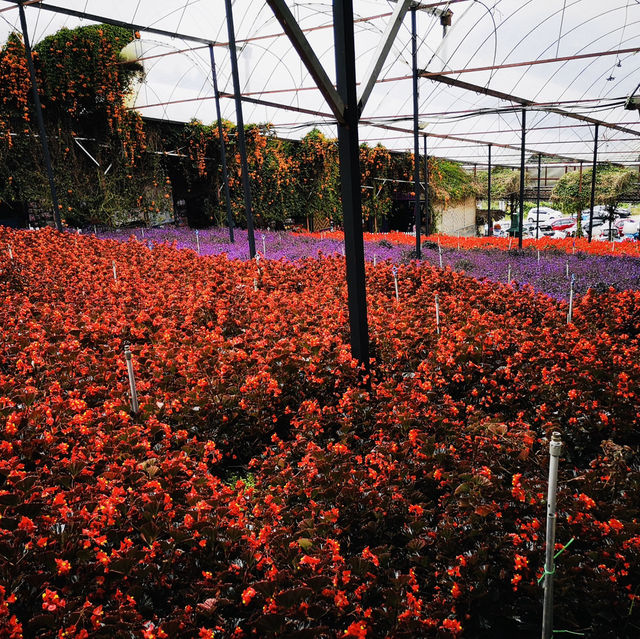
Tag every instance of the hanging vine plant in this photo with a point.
(104, 170)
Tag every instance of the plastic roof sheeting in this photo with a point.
(485, 33)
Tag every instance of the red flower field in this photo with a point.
(568, 245)
(268, 487)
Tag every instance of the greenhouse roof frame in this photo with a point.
(501, 17)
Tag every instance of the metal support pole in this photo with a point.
(350, 178)
(538, 197)
(427, 226)
(522, 150)
(416, 140)
(489, 220)
(349, 151)
(242, 145)
(593, 179)
(38, 105)
(132, 380)
(437, 315)
(579, 227)
(223, 151)
(555, 447)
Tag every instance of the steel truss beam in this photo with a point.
(530, 63)
(307, 55)
(460, 84)
(118, 23)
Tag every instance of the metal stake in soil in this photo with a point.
(555, 447)
(570, 312)
(132, 380)
(394, 270)
(10, 254)
(198, 241)
(509, 274)
(437, 314)
(439, 252)
(115, 273)
(264, 246)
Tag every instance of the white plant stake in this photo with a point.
(437, 314)
(570, 312)
(510, 240)
(375, 259)
(115, 273)
(10, 253)
(612, 246)
(509, 274)
(255, 284)
(342, 249)
(198, 241)
(440, 253)
(567, 268)
(142, 233)
(95, 230)
(555, 447)
(264, 246)
(132, 380)
(394, 270)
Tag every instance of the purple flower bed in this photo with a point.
(277, 245)
(547, 275)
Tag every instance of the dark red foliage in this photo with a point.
(270, 488)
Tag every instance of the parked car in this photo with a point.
(602, 213)
(546, 216)
(562, 224)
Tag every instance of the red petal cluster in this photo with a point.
(268, 486)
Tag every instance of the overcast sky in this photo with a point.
(482, 34)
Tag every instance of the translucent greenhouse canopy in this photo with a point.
(574, 56)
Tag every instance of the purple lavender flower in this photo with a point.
(547, 275)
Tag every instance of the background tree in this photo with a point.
(505, 185)
(573, 193)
